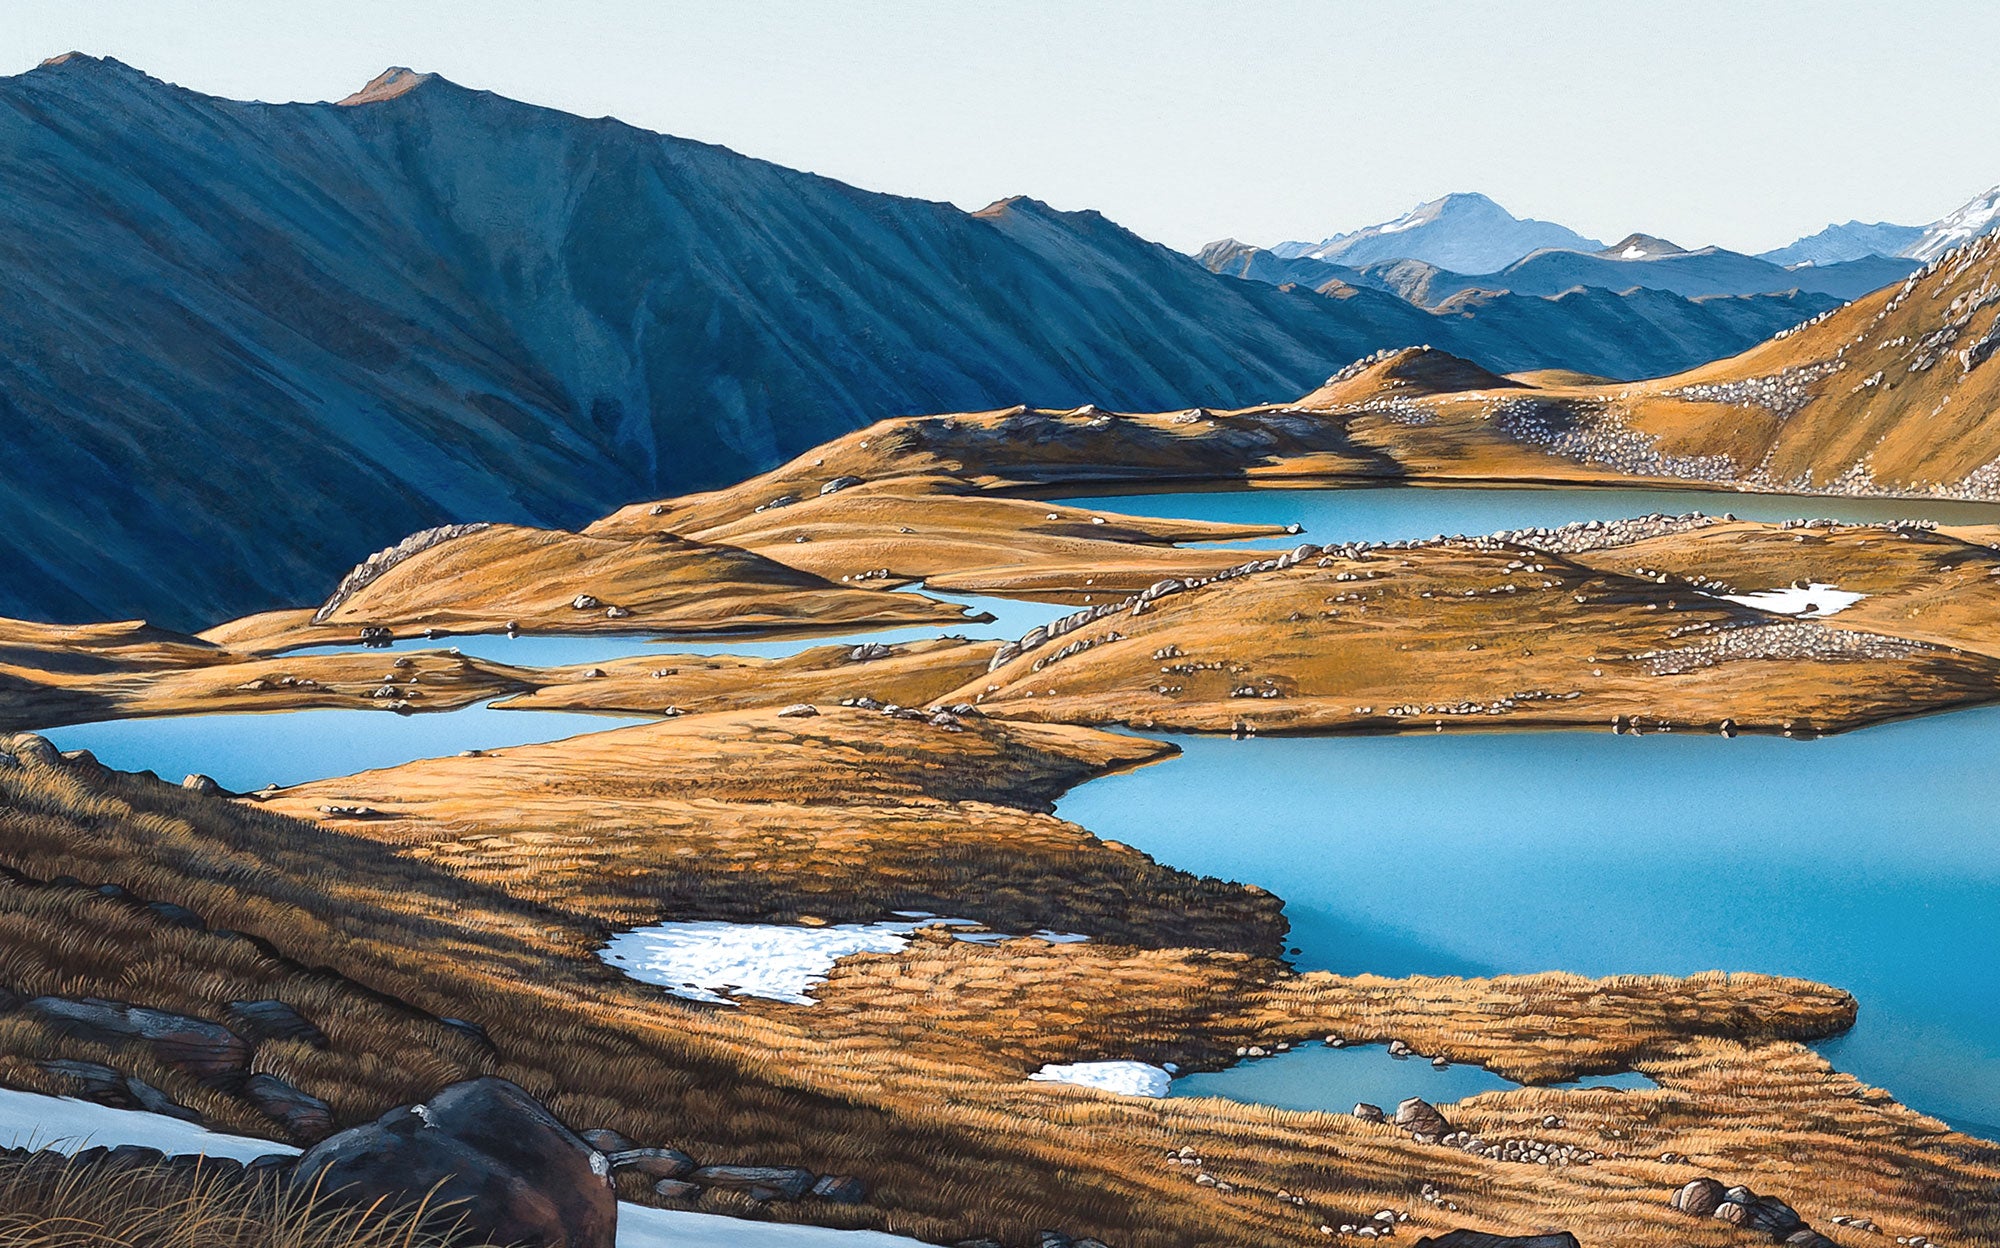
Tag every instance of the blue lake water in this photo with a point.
(1395, 513)
(1316, 1076)
(1012, 618)
(246, 752)
(1870, 861)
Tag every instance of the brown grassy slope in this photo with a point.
(51, 1201)
(1738, 1098)
(932, 529)
(663, 583)
(33, 698)
(847, 815)
(1875, 397)
(935, 1116)
(1929, 421)
(1034, 1002)
(911, 674)
(1487, 634)
(597, 1047)
(1938, 586)
(1895, 393)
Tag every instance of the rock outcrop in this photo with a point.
(523, 1177)
(208, 1051)
(1739, 1206)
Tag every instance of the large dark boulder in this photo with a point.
(496, 1157)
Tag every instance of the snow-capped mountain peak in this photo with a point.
(1465, 232)
(1642, 247)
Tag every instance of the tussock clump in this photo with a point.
(51, 1201)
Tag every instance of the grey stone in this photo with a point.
(303, 1114)
(1419, 1117)
(842, 1189)
(1700, 1197)
(208, 1051)
(783, 1182)
(657, 1163)
(271, 1019)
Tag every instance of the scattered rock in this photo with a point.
(677, 1189)
(584, 602)
(1369, 1113)
(868, 652)
(842, 1189)
(1739, 1206)
(799, 710)
(198, 783)
(654, 1163)
(838, 484)
(607, 1141)
(303, 1114)
(208, 1051)
(1421, 1118)
(1699, 1197)
(101, 1085)
(524, 1177)
(758, 1182)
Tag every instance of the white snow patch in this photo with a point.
(31, 1120)
(711, 961)
(1634, 253)
(640, 1227)
(1124, 1078)
(1814, 601)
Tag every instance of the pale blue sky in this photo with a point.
(1741, 123)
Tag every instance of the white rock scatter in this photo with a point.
(1123, 1078)
(713, 961)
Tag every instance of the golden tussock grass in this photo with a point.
(47, 1201)
(911, 1075)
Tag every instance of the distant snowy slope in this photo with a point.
(1978, 217)
(1922, 243)
(1852, 241)
(1466, 232)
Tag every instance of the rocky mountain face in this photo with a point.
(1466, 232)
(246, 344)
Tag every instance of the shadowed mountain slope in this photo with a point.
(241, 345)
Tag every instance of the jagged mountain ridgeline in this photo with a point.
(245, 344)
